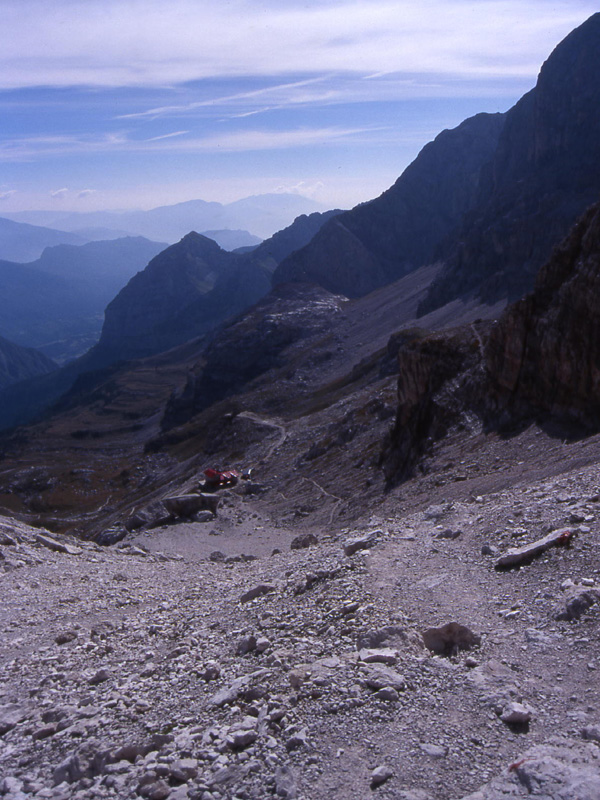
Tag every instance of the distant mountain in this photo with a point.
(23, 242)
(192, 287)
(232, 240)
(261, 215)
(57, 302)
(380, 241)
(544, 173)
(20, 363)
(183, 292)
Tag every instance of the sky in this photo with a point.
(114, 104)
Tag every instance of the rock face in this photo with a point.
(544, 174)
(19, 363)
(380, 241)
(544, 353)
(540, 359)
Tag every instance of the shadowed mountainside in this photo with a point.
(543, 175)
(380, 241)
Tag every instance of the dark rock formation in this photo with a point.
(19, 363)
(543, 175)
(380, 241)
(540, 360)
(544, 352)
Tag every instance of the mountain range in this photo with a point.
(57, 302)
(260, 215)
(398, 596)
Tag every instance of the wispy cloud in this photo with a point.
(167, 136)
(59, 193)
(85, 193)
(134, 43)
(9, 193)
(233, 141)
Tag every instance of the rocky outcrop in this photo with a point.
(253, 344)
(544, 174)
(540, 360)
(544, 352)
(20, 363)
(380, 241)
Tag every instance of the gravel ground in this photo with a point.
(157, 669)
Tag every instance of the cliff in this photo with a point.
(544, 174)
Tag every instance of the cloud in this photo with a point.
(59, 193)
(167, 136)
(9, 193)
(32, 148)
(85, 193)
(153, 43)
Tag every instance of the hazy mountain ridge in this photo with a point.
(260, 215)
(58, 301)
(23, 242)
(20, 363)
(193, 286)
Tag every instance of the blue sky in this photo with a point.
(139, 103)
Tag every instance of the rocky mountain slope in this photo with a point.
(378, 242)
(543, 175)
(19, 363)
(538, 361)
(489, 199)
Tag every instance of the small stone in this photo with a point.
(387, 695)
(384, 677)
(297, 739)
(258, 591)
(380, 775)
(489, 550)
(10, 716)
(516, 714)
(303, 541)
(211, 672)
(434, 750)
(285, 783)
(383, 656)
(364, 542)
(471, 662)
(449, 639)
(449, 533)
(246, 645)
(100, 676)
(262, 644)
(238, 740)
